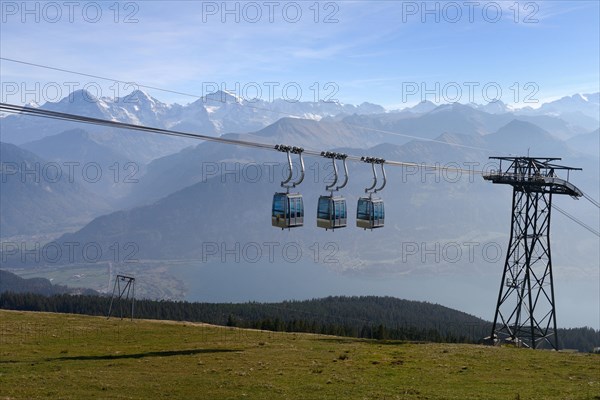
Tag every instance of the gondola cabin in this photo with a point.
(331, 212)
(288, 210)
(370, 213)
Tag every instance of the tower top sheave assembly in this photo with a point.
(525, 312)
(534, 174)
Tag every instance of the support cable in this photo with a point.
(577, 221)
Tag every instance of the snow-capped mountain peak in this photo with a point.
(493, 107)
(424, 106)
(223, 97)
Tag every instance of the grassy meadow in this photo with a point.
(63, 356)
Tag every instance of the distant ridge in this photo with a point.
(10, 282)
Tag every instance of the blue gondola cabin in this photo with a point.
(331, 212)
(288, 210)
(370, 213)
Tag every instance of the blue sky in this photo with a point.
(386, 52)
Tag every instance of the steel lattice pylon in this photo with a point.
(525, 311)
(123, 293)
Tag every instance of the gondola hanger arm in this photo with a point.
(382, 162)
(343, 158)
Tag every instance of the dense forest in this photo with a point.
(363, 317)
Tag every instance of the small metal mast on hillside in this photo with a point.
(525, 312)
(128, 288)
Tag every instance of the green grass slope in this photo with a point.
(52, 356)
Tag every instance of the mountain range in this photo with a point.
(214, 114)
(224, 112)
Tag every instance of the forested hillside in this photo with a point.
(364, 317)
